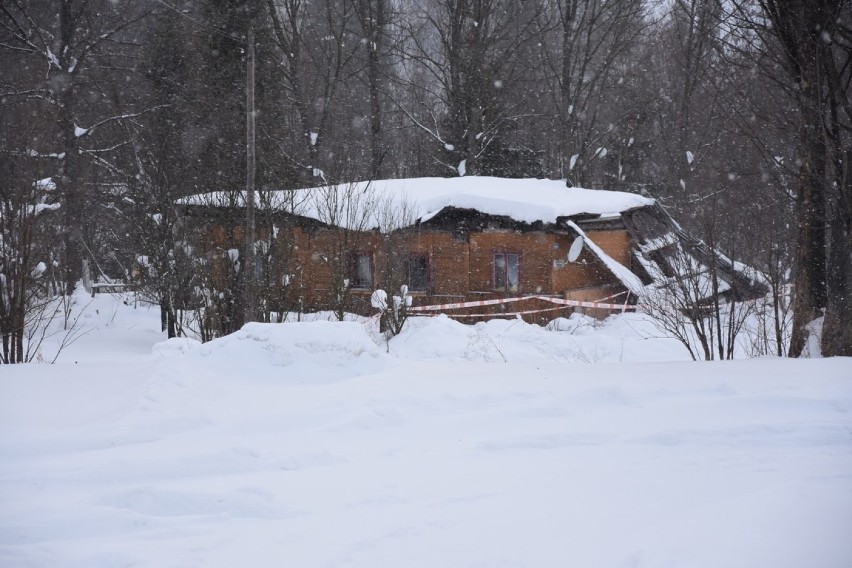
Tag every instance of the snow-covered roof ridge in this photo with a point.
(526, 200)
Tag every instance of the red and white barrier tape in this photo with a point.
(586, 304)
(611, 297)
(471, 304)
(496, 314)
(560, 301)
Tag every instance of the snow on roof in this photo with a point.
(525, 200)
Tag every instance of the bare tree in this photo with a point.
(374, 18)
(584, 56)
(694, 305)
(311, 39)
(809, 40)
(468, 53)
(350, 211)
(26, 266)
(280, 271)
(396, 219)
(64, 47)
(837, 331)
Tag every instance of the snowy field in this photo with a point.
(496, 445)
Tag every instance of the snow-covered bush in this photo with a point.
(394, 313)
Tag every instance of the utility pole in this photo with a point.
(250, 287)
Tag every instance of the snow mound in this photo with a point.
(310, 351)
(174, 347)
(288, 342)
(573, 324)
(578, 339)
(236, 453)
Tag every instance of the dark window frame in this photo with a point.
(506, 254)
(427, 271)
(354, 281)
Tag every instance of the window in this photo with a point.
(506, 271)
(418, 273)
(362, 270)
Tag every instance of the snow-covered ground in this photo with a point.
(501, 444)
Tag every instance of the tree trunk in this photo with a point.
(810, 275)
(68, 182)
(837, 327)
(372, 15)
(172, 331)
(565, 112)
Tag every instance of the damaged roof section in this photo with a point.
(665, 251)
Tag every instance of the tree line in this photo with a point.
(736, 115)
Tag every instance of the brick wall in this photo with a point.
(461, 267)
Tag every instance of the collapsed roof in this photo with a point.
(394, 204)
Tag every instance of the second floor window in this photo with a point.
(506, 271)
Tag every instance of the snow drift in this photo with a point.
(311, 445)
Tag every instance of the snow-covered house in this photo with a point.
(475, 241)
